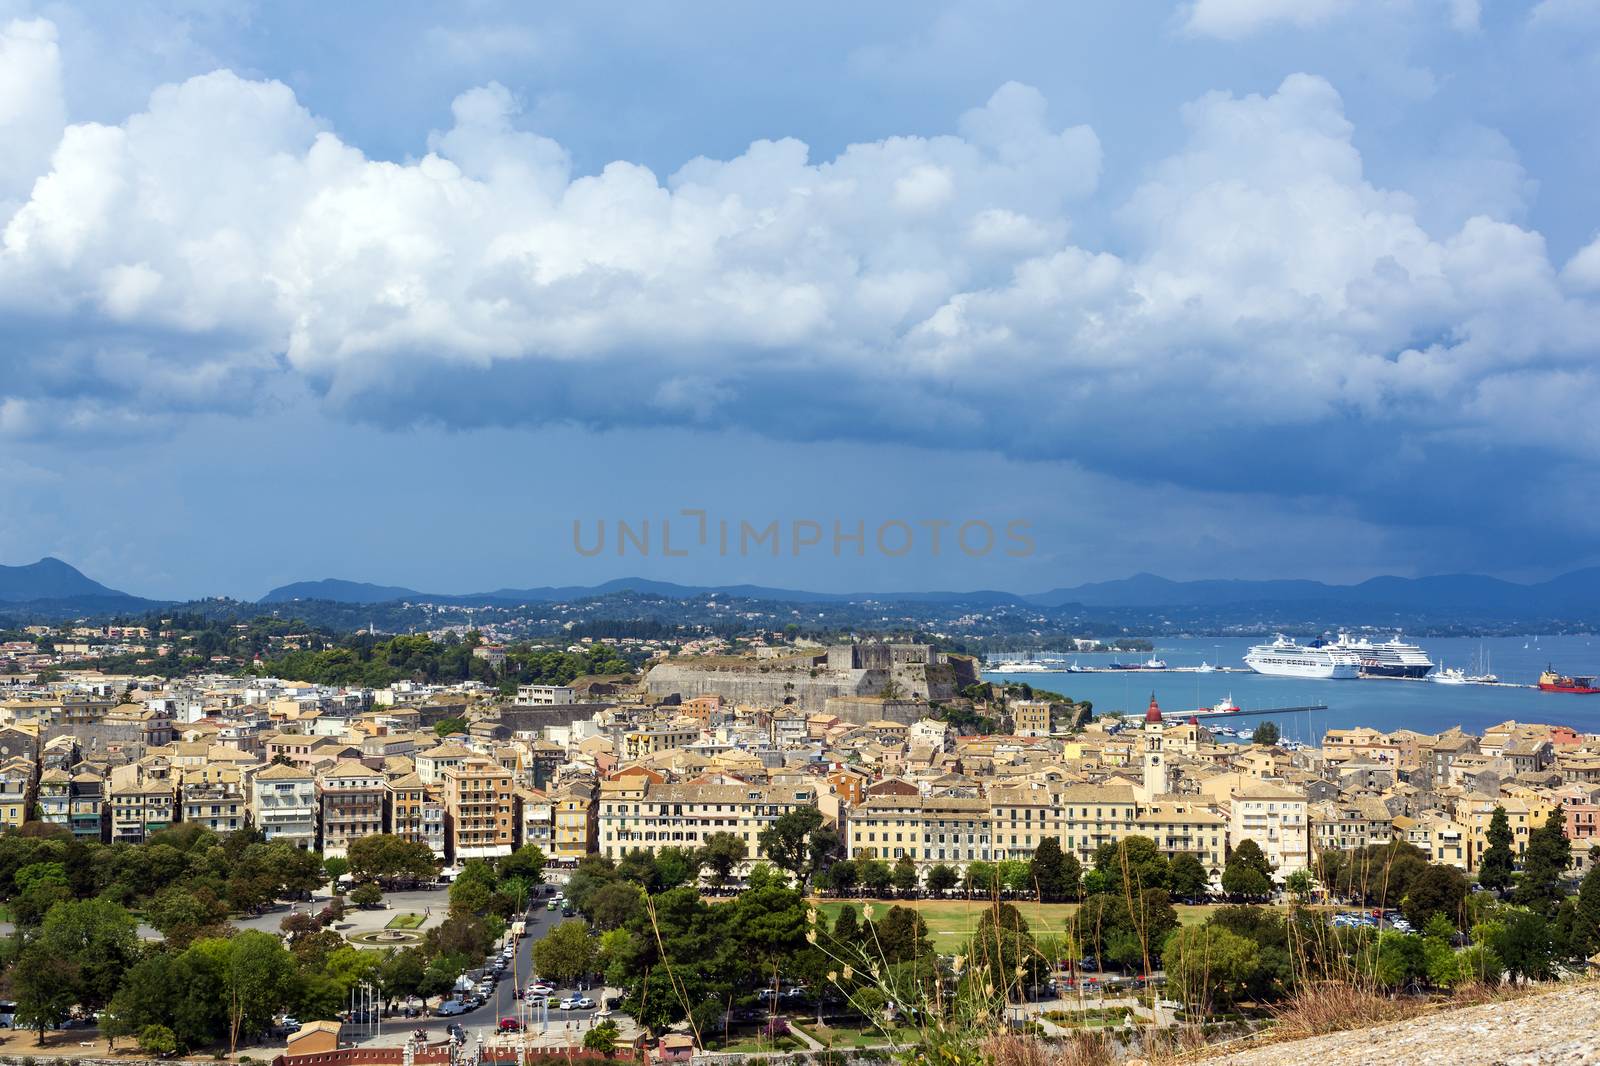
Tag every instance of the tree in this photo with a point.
(1544, 864)
(843, 876)
(789, 842)
(905, 876)
(1266, 734)
(602, 1038)
(941, 878)
(99, 939)
(1525, 946)
(1209, 966)
(1439, 890)
(565, 953)
(876, 876)
(1300, 883)
(446, 726)
(257, 980)
(1247, 873)
(1496, 866)
(1056, 873)
(157, 1041)
(526, 863)
(1016, 876)
(612, 906)
(1187, 876)
(181, 913)
(846, 932)
(43, 984)
(1266, 928)
(366, 894)
(1584, 939)
(1003, 943)
(983, 878)
(402, 973)
(900, 935)
(721, 854)
(386, 857)
(1106, 927)
(1131, 864)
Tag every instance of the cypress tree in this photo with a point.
(1495, 870)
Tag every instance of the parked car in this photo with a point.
(584, 1003)
(539, 988)
(510, 1025)
(290, 1022)
(449, 1008)
(570, 1003)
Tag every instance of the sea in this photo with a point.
(1380, 703)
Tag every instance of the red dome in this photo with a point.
(1154, 713)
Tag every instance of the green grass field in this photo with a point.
(405, 921)
(845, 1036)
(952, 921)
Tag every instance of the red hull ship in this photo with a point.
(1550, 681)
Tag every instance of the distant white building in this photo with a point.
(545, 695)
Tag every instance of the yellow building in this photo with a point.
(576, 822)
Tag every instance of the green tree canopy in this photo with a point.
(1056, 873)
(1209, 966)
(1496, 867)
(1247, 873)
(1544, 864)
(565, 953)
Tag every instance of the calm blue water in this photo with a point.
(1381, 704)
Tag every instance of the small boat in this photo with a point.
(1205, 668)
(1448, 675)
(1153, 663)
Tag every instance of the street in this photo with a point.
(482, 1023)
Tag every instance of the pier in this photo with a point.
(1211, 714)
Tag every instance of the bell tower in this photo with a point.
(1156, 778)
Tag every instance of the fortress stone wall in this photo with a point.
(808, 682)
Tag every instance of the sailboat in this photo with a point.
(1481, 674)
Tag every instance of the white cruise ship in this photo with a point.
(1387, 658)
(1284, 658)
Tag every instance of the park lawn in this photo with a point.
(953, 921)
(405, 921)
(845, 1036)
(757, 1044)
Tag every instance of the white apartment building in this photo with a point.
(1277, 818)
(283, 805)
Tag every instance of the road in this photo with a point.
(483, 1021)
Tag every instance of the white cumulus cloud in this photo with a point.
(1258, 284)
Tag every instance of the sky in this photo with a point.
(422, 295)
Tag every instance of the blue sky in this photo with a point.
(394, 293)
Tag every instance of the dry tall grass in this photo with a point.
(1081, 1049)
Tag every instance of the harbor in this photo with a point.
(1416, 704)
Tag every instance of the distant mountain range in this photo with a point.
(52, 579)
(340, 591)
(1571, 596)
(1574, 594)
